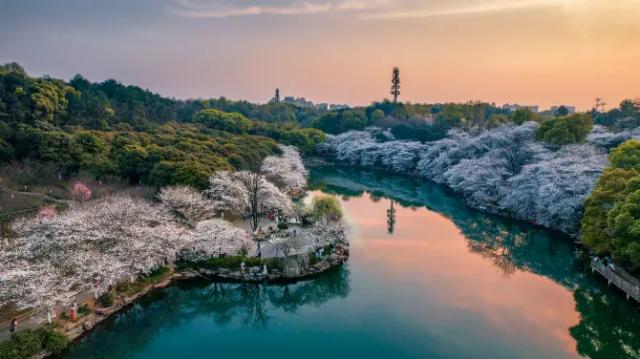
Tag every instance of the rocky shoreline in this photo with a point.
(253, 276)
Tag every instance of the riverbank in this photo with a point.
(504, 171)
(330, 160)
(93, 314)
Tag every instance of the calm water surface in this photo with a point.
(437, 280)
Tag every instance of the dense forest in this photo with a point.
(109, 129)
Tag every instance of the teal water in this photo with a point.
(435, 280)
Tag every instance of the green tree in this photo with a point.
(326, 208)
(450, 117)
(630, 108)
(132, 162)
(627, 155)
(623, 223)
(49, 100)
(496, 120)
(223, 121)
(376, 116)
(565, 130)
(611, 188)
(523, 115)
(611, 221)
(562, 111)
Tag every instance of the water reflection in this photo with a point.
(391, 217)
(509, 244)
(608, 327)
(226, 304)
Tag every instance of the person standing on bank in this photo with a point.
(14, 325)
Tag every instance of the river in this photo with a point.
(431, 279)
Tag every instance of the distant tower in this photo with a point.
(391, 218)
(276, 99)
(395, 84)
(599, 105)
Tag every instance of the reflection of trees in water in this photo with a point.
(249, 304)
(608, 328)
(332, 284)
(510, 245)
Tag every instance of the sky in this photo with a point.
(531, 52)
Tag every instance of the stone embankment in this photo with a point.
(256, 274)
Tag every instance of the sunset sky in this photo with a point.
(541, 52)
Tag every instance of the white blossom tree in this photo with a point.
(215, 238)
(551, 192)
(248, 194)
(503, 170)
(86, 248)
(227, 193)
(186, 204)
(286, 171)
(600, 136)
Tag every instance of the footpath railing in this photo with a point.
(619, 277)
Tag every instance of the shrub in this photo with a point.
(27, 343)
(55, 342)
(105, 300)
(84, 310)
(283, 225)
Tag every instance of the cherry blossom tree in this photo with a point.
(94, 244)
(186, 204)
(600, 136)
(286, 171)
(81, 192)
(86, 248)
(226, 193)
(214, 238)
(247, 194)
(551, 192)
(503, 170)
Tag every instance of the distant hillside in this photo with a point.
(109, 129)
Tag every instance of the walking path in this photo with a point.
(618, 276)
(25, 321)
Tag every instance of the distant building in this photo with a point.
(303, 102)
(338, 107)
(516, 107)
(300, 102)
